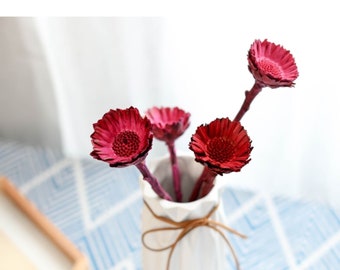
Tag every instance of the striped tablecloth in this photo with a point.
(99, 210)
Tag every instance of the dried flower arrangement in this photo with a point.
(123, 137)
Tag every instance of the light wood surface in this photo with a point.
(79, 261)
(11, 256)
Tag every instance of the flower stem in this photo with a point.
(175, 171)
(204, 184)
(208, 183)
(153, 181)
(250, 95)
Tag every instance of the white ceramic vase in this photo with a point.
(202, 247)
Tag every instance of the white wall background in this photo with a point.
(60, 75)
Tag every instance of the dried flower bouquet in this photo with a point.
(123, 137)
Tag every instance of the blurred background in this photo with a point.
(59, 75)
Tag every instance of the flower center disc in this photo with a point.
(126, 143)
(220, 149)
(270, 67)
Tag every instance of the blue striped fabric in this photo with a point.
(99, 209)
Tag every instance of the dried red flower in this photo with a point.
(223, 145)
(271, 64)
(122, 137)
(168, 123)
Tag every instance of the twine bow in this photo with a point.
(187, 226)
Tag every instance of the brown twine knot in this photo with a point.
(187, 226)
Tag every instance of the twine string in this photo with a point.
(186, 227)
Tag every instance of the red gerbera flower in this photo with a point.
(122, 137)
(271, 64)
(223, 145)
(168, 123)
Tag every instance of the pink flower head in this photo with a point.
(271, 64)
(168, 123)
(121, 138)
(223, 145)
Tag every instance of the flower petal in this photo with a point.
(271, 64)
(223, 145)
(121, 137)
(168, 123)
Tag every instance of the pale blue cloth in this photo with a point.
(98, 208)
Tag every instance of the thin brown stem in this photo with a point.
(207, 178)
(159, 190)
(175, 172)
(250, 95)
(208, 183)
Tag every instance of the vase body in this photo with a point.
(202, 247)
